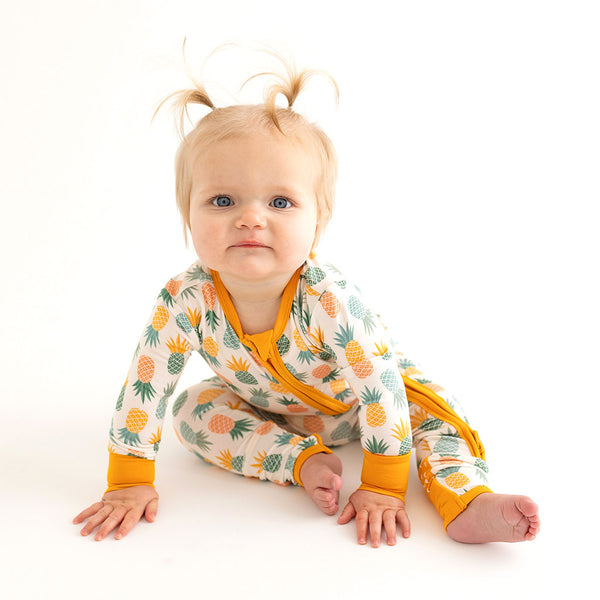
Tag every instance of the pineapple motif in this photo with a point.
(119, 405)
(283, 439)
(267, 462)
(313, 424)
(318, 345)
(145, 373)
(457, 480)
(161, 409)
(325, 373)
(200, 439)
(223, 424)
(159, 320)
(155, 440)
(358, 311)
(209, 293)
(402, 433)
(343, 431)
(189, 320)
(305, 355)
(407, 367)
(205, 400)
(178, 348)
(265, 428)
(275, 385)
(134, 423)
(313, 276)
(170, 290)
(259, 397)
(230, 339)
(391, 383)
(448, 445)
(355, 355)
(383, 351)
(240, 368)
(283, 345)
(293, 405)
(211, 351)
(375, 446)
(230, 462)
(181, 400)
(376, 416)
(330, 304)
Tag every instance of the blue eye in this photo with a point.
(222, 201)
(281, 203)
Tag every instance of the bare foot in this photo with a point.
(320, 475)
(496, 518)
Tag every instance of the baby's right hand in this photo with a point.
(120, 507)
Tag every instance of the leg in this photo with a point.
(222, 429)
(452, 468)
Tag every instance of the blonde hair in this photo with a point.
(229, 121)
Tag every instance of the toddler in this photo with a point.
(301, 363)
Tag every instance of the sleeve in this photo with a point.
(364, 355)
(165, 345)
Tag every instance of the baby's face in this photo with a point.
(253, 210)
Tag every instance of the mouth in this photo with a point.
(250, 244)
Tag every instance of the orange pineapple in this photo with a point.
(330, 304)
(145, 373)
(313, 423)
(355, 355)
(223, 424)
(209, 293)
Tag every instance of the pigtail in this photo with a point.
(182, 98)
(288, 84)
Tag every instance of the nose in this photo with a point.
(251, 217)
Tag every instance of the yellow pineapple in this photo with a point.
(376, 416)
(159, 320)
(456, 480)
(204, 401)
(355, 355)
(305, 355)
(134, 423)
(211, 351)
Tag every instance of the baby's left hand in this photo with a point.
(373, 510)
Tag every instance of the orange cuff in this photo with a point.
(126, 471)
(307, 453)
(386, 475)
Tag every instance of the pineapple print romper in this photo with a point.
(326, 374)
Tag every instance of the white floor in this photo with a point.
(467, 210)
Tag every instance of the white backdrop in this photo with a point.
(468, 136)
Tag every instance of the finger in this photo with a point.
(375, 528)
(389, 524)
(151, 510)
(347, 515)
(98, 518)
(362, 526)
(88, 512)
(127, 523)
(115, 517)
(402, 518)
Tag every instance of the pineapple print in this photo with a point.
(145, 373)
(205, 400)
(402, 433)
(313, 424)
(330, 304)
(155, 440)
(199, 440)
(176, 361)
(170, 290)
(293, 405)
(134, 423)
(376, 416)
(313, 276)
(375, 446)
(240, 368)
(259, 397)
(318, 345)
(209, 293)
(189, 321)
(230, 339)
(448, 445)
(283, 439)
(119, 405)
(407, 367)
(383, 351)
(159, 320)
(230, 462)
(391, 383)
(267, 462)
(224, 424)
(211, 351)
(305, 355)
(355, 355)
(358, 311)
(325, 373)
(161, 409)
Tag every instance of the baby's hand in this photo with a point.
(120, 507)
(371, 511)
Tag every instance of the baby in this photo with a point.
(301, 363)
